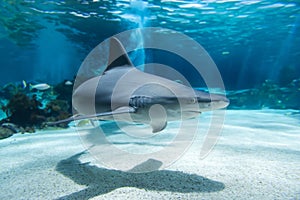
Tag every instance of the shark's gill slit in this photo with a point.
(139, 101)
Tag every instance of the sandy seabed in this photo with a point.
(256, 157)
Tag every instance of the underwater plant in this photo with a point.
(287, 74)
(64, 92)
(10, 89)
(5, 133)
(29, 109)
(267, 95)
(27, 112)
(24, 111)
(57, 110)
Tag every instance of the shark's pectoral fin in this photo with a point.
(158, 116)
(121, 110)
(158, 125)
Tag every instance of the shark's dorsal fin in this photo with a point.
(117, 55)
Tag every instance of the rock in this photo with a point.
(5, 132)
(10, 126)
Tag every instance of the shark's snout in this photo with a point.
(219, 98)
(219, 103)
(208, 101)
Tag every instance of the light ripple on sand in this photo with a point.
(257, 156)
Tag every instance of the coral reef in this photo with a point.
(5, 133)
(24, 111)
(64, 92)
(268, 95)
(10, 89)
(30, 109)
(57, 110)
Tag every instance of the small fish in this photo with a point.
(225, 52)
(68, 83)
(84, 122)
(24, 84)
(40, 86)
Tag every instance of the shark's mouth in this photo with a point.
(192, 111)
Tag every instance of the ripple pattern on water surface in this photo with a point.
(234, 18)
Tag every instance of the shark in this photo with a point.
(125, 93)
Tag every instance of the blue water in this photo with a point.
(252, 42)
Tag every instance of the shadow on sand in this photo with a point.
(101, 181)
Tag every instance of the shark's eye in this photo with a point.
(193, 100)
